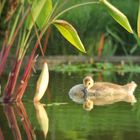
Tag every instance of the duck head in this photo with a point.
(88, 82)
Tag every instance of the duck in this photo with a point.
(92, 93)
(107, 93)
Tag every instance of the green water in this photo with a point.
(62, 119)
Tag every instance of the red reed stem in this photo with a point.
(7, 50)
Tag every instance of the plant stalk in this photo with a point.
(12, 81)
(7, 50)
(75, 6)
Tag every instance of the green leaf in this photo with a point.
(117, 15)
(40, 10)
(69, 33)
(44, 14)
(138, 22)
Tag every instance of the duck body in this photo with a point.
(107, 93)
(76, 93)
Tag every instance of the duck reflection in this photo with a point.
(101, 93)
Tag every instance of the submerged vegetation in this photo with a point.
(26, 23)
(97, 67)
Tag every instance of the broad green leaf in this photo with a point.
(44, 14)
(35, 11)
(138, 22)
(69, 33)
(117, 15)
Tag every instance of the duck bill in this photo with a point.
(85, 93)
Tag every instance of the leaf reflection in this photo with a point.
(42, 117)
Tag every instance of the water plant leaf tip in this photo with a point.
(117, 15)
(69, 33)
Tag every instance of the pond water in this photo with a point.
(57, 117)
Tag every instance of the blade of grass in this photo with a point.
(46, 40)
(2, 3)
(138, 21)
(14, 26)
(6, 52)
(36, 32)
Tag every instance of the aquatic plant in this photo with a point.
(28, 20)
(102, 67)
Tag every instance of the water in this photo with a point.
(59, 118)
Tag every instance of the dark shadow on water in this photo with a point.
(59, 118)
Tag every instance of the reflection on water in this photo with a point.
(42, 118)
(59, 118)
(11, 112)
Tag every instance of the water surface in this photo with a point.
(59, 118)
